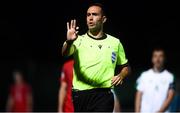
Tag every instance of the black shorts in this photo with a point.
(94, 100)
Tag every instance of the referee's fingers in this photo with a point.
(77, 32)
(67, 25)
(116, 80)
(119, 82)
(113, 80)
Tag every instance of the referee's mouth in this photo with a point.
(90, 23)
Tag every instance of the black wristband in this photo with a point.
(69, 42)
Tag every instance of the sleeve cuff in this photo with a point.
(124, 65)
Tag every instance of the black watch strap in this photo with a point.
(69, 41)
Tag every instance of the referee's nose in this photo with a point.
(90, 18)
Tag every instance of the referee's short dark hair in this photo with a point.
(99, 5)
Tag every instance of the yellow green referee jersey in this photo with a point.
(95, 61)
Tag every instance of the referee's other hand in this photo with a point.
(116, 80)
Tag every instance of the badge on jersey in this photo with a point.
(113, 57)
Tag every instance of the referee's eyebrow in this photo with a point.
(94, 14)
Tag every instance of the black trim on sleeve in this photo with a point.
(124, 65)
(119, 67)
(69, 41)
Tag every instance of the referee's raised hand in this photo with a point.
(72, 30)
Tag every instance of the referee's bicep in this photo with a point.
(121, 57)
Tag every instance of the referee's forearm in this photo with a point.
(125, 71)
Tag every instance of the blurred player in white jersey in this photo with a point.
(155, 87)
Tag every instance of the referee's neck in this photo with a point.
(97, 35)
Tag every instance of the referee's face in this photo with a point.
(158, 59)
(95, 18)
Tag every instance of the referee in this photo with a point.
(96, 55)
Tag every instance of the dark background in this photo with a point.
(32, 34)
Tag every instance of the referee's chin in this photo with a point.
(92, 28)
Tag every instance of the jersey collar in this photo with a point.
(101, 38)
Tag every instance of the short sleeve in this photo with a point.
(172, 83)
(77, 42)
(139, 84)
(121, 58)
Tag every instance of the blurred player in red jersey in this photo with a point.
(20, 96)
(65, 91)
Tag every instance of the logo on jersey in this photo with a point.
(113, 57)
(100, 46)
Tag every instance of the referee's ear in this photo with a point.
(104, 19)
